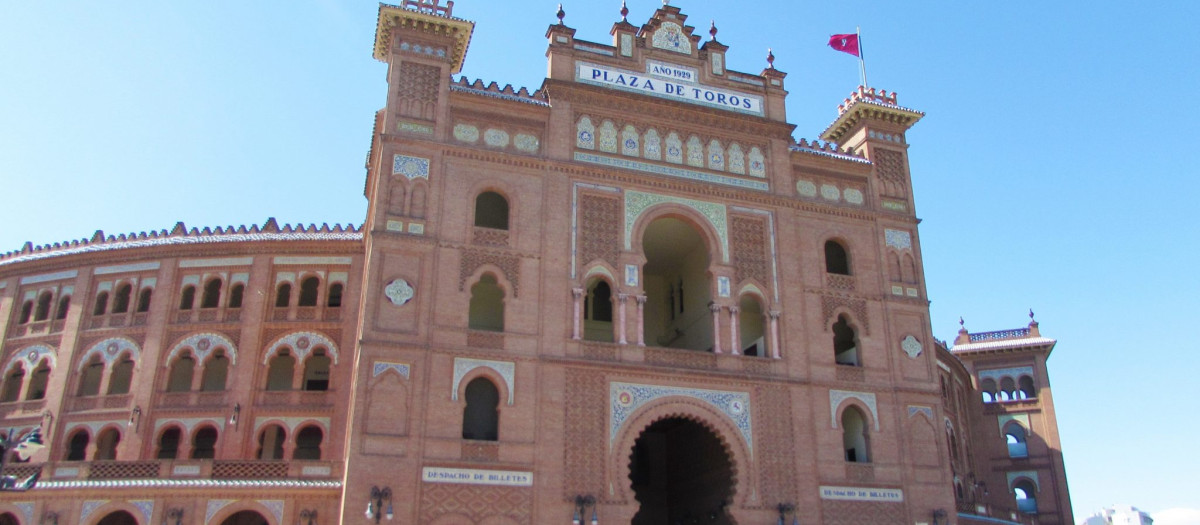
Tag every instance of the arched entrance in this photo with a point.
(678, 286)
(119, 517)
(681, 473)
(8, 519)
(245, 517)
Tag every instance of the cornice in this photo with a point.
(392, 17)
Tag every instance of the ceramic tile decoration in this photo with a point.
(672, 38)
(466, 133)
(637, 202)
(506, 369)
(898, 239)
(911, 346)
(109, 349)
(410, 167)
(201, 345)
(914, 410)
(626, 398)
(399, 292)
(380, 367)
(301, 343)
(526, 143)
(836, 397)
(496, 138)
(806, 188)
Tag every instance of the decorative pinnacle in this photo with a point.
(770, 59)
(961, 323)
(560, 14)
(712, 29)
(1031, 315)
(624, 12)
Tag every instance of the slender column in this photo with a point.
(735, 344)
(716, 316)
(641, 320)
(774, 322)
(577, 295)
(621, 339)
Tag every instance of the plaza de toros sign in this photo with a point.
(668, 81)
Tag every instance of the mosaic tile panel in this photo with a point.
(201, 345)
(383, 366)
(716, 156)
(146, 506)
(670, 171)
(626, 398)
(853, 196)
(672, 38)
(806, 188)
(466, 133)
(898, 239)
(737, 159)
(215, 506)
(1003, 419)
(607, 136)
(637, 202)
(29, 358)
(507, 370)
(526, 142)
(695, 152)
(836, 397)
(911, 346)
(89, 507)
(410, 167)
(585, 134)
(399, 292)
(629, 141)
(109, 350)
(830, 192)
(275, 506)
(652, 149)
(758, 166)
(674, 149)
(413, 127)
(1032, 475)
(301, 344)
(496, 138)
(26, 508)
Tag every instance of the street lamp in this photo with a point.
(581, 506)
(939, 517)
(173, 516)
(308, 517)
(375, 503)
(786, 509)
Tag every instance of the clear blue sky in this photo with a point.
(1052, 171)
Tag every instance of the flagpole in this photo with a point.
(862, 62)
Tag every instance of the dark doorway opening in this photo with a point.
(245, 517)
(680, 473)
(119, 517)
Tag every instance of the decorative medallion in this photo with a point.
(466, 133)
(399, 292)
(911, 346)
(853, 196)
(410, 167)
(806, 188)
(830, 192)
(672, 38)
(526, 142)
(496, 138)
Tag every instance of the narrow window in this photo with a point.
(279, 373)
(1017, 439)
(491, 211)
(77, 447)
(1027, 388)
(316, 371)
(89, 380)
(486, 311)
(845, 344)
(122, 376)
(143, 304)
(235, 295)
(26, 312)
(179, 379)
(270, 443)
(121, 299)
(212, 294)
(1026, 501)
(12, 385)
(101, 307)
(168, 444)
(836, 260)
(187, 298)
(751, 328)
(1008, 389)
(335, 295)
(308, 443)
(283, 295)
(38, 381)
(308, 291)
(481, 418)
(598, 312)
(215, 371)
(204, 443)
(988, 388)
(43, 307)
(854, 436)
(106, 445)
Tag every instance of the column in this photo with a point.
(621, 339)
(716, 317)
(641, 320)
(774, 322)
(735, 344)
(577, 295)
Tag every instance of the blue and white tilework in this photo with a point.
(201, 345)
(383, 366)
(146, 506)
(215, 506)
(631, 275)
(637, 202)
(723, 286)
(626, 398)
(671, 171)
(836, 397)
(29, 357)
(89, 507)
(276, 507)
(898, 239)
(26, 508)
(301, 344)
(109, 350)
(466, 133)
(506, 370)
(915, 409)
(410, 167)
(911, 346)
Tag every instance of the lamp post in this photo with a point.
(375, 503)
(308, 517)
(939, 517)
(173, 516)
(785, 510)
(582, 503)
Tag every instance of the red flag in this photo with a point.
(845, 43)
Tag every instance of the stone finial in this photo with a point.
(770, 59)
(962, 325)
(624, 12)
(1031, 319)
(712, 29)
(560, 14)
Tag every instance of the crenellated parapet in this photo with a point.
(494, 90)
(869, 105)
(827, 149)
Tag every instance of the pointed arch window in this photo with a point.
(204, 443)
(101, 306)
(187, 298)
(168, 443)
(216, 369)
(308, 291)
(855, 440)
(122, 376)
(845, 343)
(179, 379)
(270, 442)
(143, 304)
(106, 445)
(481, 416)
(77, 446)
(43, 307)
(212, 294)
(486, 309)
(122, 298)
(308, 443)
(38, 381)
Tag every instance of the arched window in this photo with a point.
(122, 298)
(1027, 388)
(101, 306)
(308, 291)
(143, 304)
(26, 312)
(1016, 437)
(216, 369)
(179, 379)
(1025, 493)
(491, 211)
(204, 443)
(952, 441)
(854, 436)
(316, 371)
(235, 295)
(486, 311)
(845, 343)
(64, 304)
(1008, 389)
(43, 307)
(212, 294)
(106, 445)
(122, 376)
(283, 295)
(12, 384)
(187, 297)
(335, 295)
(270, 442)
(836, 259)
(988, 389)
(598, 312)
(308, 443)
(751, 331)
(77, 446)
(279, 372)
(958, 490)
(38, 381)
(89, 379)
(481, 417)
(168, 443)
